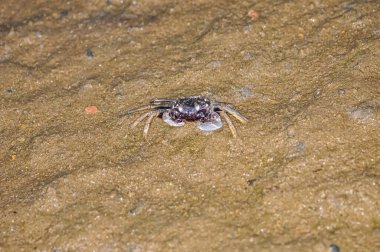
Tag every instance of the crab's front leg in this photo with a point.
(149, 121)
(145, 107)
(162, 101)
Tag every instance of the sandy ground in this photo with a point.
(302, 175)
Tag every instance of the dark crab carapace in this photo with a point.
(176, 112)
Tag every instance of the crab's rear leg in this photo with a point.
(140, 118)
(145, 107)
(152, 114)
(229, 122)
(123, 116)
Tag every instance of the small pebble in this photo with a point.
(91, 110)
(334, 248)
(89, 54)
(247, 28)
(376, 33)
(251, 181)
(291, 131)
(137, 209)
(363, 112)
(253, 15)
(38, 34)
(341, 91)
(317, 93)
(248, 56)
(64, 13)
(116, 195)
(300, 145)
(297, 149)
(9, 91)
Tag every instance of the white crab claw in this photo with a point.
(170, 121)
(215, 124)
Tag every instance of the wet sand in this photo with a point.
(302, 175)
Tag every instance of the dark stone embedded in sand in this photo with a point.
(364, 111)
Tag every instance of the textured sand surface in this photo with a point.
(303, 173)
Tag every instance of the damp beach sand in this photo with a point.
(302, 175)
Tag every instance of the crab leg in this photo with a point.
(155, 103)
(129, 112)
(229, 122)
(161, 100)
(227, 107)
(149, 121)
(139, 119)
(150, 106)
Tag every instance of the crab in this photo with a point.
(175, 112)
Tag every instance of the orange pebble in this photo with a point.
(13, 157)
(91, 110)
(253, 15)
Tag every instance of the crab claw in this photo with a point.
(214, 124)
(166, 117)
